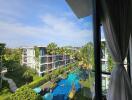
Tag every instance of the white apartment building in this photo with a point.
(28, 57)
(44, 62)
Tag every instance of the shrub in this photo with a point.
(25, 93)
(60, 71)
(35, 83)
(49, 76)
(39, 81)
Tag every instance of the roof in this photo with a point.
(81, 8)
(32, 46)
(27, 47)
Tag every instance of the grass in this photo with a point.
(84, 93)
(35, 77)
(85, 83)
(17, 76)
(5, 91)
(80, 96)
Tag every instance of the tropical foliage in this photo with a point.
(12, 58)
(16, 71)
(25, 93)
(36, 52)
(110, 63)
(51, 48)
(2, 51)
(49, 76)
(2, 48)
(86, 56)
(28, 75)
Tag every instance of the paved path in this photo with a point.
(11, 83)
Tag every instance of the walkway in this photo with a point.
(11, 83)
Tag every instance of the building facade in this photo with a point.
(43, 63)
(28, 57)
(104, 63)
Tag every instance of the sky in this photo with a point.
(40, 22)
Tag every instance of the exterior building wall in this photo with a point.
(51, 62)
(104, 61)
(45, 62)
(28, 57)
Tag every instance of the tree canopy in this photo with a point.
(2, 48)
(86, 55)
(51, 48)
(25, 93)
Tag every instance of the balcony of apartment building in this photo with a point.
(49, 59)
(25, 52)
(115, 18)
(46, 59)
(42, 50)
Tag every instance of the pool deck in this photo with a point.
(63, 88)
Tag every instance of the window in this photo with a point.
(43, 67)
(43, 59)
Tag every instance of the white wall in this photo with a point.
(30, 54)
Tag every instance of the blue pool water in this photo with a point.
(63, 88)
(61, 91)
(37, 90)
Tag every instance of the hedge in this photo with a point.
(50, 76)
(25, 93)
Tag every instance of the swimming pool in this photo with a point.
(64, 86)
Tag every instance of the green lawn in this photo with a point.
(4, 92)
(17, 77)
(84, 93)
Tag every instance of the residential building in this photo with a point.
(104, 62)
(43, 63)
(28, 57)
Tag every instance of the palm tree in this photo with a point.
(28, 75)
(110, 63)
(87, 55)
(2, 49)
(52, 48)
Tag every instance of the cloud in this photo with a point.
(54, 29)
(11, 9)
(65, 27)
(62, 28)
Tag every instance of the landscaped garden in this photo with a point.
(27, 80)
(58, 85)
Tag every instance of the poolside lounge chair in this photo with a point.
(44, 91)
(72, 92)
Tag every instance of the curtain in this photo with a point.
(130, 49)
(116, 23)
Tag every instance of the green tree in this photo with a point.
(2, 51)
(37, 53)
(78, 55)
(58, 50)
(86, 55)
(12, 57)
(25, 93)
(28, 75)
(110, 63)
(52, 48)
(2, 48)
(62, 50)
